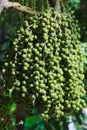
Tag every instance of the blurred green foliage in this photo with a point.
(80, 13)
(84, 51)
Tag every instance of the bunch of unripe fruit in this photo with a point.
(45, 64)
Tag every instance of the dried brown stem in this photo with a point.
(21, 8)
(25, 9)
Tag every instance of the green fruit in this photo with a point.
(23, 95)
(3, 70)
(5, 64)
(25, 68)
(24, 89)
(13, 72)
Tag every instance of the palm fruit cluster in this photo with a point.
(45, 64)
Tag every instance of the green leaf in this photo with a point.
(40, 127)
(12, 107)
(7, 128)
(34, 112)
(75, 1)
(30, 121)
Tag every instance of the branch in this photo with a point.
(58, 5)
(25, 9)
(17, 6)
